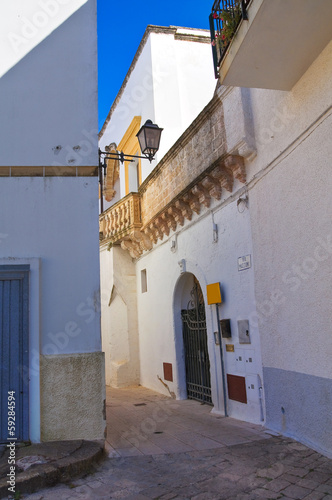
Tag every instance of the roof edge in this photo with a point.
(149, 29)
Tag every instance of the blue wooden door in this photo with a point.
(14, 348)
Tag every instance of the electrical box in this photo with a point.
(225, 325)
(213, 293)
(243, 328)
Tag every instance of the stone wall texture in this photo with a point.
(195, 151)
(73, 397)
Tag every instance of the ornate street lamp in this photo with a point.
(149, 139)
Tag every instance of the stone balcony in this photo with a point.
(196, 170)
(122, 223)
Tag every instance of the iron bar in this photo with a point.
(105, 155)
(196, 350)
(222, 30)
(124, 157)
(101, 182)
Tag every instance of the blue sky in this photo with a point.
(121, 26)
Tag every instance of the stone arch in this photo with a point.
(181, 299)
(189, 270)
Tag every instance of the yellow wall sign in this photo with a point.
(213, 293)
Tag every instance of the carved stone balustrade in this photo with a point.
(121, 219)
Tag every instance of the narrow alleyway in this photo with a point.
(160, 448)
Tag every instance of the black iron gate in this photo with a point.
(195, 346)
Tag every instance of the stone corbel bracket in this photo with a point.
(121, 224)
(219, 176)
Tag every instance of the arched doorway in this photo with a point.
(196, 356)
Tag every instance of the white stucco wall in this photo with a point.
(293, 251)
(26, 24)
(119, 317)
(53, 87)
(48, 101)
(289, 186)
(184, 83)
(50, 224)
(106, 286)
(170, 84)
(57, 224)
(160, 327)
(289, 203)
(136, 99)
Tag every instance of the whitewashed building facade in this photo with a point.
(49, 258)
(169, 81)
(241, 199)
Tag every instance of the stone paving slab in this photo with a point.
(142, 422)
(165, 449)
(250, 471)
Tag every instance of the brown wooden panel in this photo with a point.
(168, 372)
(237, 388)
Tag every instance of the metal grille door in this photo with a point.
(14, 342)
(196, 350)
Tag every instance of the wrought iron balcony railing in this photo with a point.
(224, 20)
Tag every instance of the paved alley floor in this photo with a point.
(160, 448)
(142, 422)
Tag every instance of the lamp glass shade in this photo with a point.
(149, 138)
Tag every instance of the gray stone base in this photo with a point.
(73, 397)
(299, 406)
